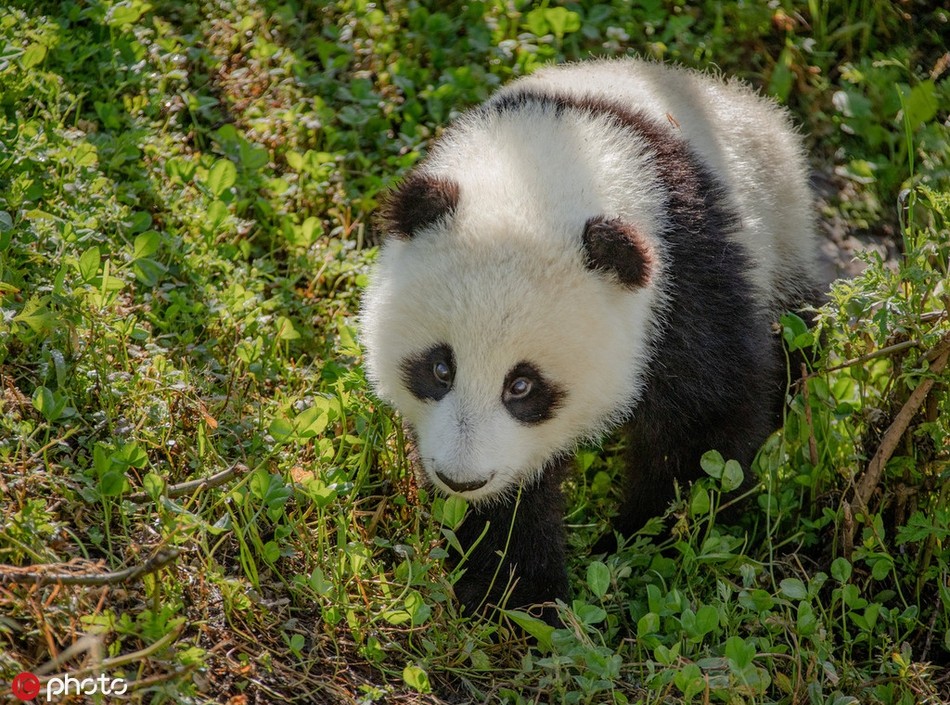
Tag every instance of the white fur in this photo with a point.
(504, 280)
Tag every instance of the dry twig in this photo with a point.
(872, 475)
(186, 488)
(79, 572)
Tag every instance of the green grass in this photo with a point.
(186, 192)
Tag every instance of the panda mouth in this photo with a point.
(457, 486)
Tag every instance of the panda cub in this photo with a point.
(599, 244)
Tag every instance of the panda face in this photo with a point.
(501, 353)
(524, 396)
(510, 312)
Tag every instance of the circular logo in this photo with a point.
(25, 686)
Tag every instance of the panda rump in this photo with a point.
(600, 244)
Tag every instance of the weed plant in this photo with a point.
(197, 492)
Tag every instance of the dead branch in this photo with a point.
(187, 488)
(873, 355)
(80, 572)
(872, 476)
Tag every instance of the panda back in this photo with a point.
(746, 141)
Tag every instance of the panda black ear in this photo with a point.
(617, 247)
(420, 200)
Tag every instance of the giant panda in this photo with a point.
(602, 244)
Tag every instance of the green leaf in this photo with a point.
(271, 552)
(796, 332)
(108, 114)
(480, 660)
(806, 622)
(851, 596)
(920, 105)
(294, 160)
(782, 79)
(881, 568)
(223, 524)
(562, 21)
(539, 629)
(311, 422)
(135, 455)
(221, 176)
(648, 624)
(88, 264)
(793, 589)
(253, 156)
(700, 502)
(320, 493)
(33, 56)
(146, 244)
(418, 610)
(281, 429)
(310, 230)
(319, 582)
(690, 680)
(416, 678)
(536, 22)
(180, 169)
(101, 462)
(589, 614)
(147, 271)
(453, 511)
(48, 403)
(286, 330)
(124, 13)
(215, 216)
(707, 619)
(112, 483)
(712, 463)
(296, 642)
(739, 652)
(841, 570)
(666, 655)
(731, 476)
(154, 485)
(36, 316)
(598, 578)
(140, 221)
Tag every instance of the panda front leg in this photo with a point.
(657, 458)
(515, 548)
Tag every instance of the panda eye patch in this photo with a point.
(529, 396)
(429, 374)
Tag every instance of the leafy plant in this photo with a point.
(192, 472)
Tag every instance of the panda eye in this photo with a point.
(442, 371)
(519, 388)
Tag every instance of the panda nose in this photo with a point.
(457, 486)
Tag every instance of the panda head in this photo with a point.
(506, 326)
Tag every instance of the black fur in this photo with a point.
(419, 201)
(419, 377)
(532, 569)
(615, 246)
